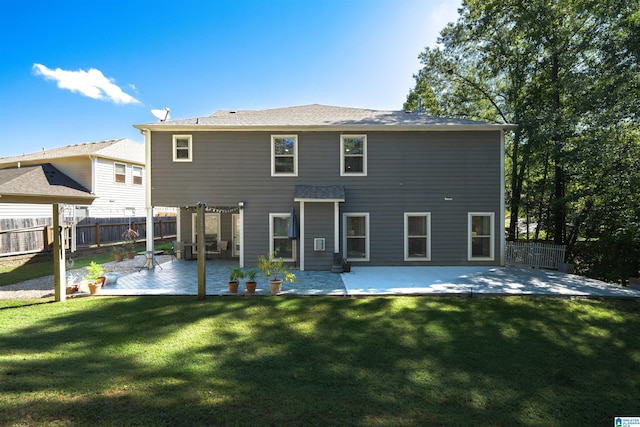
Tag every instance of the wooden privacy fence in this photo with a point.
(23, 236)
(534, 255)
(96, 233)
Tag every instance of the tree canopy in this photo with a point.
(566, 72)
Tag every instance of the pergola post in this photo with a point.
(59, 270)
(202, 256)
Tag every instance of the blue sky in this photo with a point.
(82, 71)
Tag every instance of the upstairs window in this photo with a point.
(120, 172)
(137, 175)
(353, 157)
(284, 155)
(182, 149)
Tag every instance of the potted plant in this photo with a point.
(118, 253)
(251, 283)
(276, 271)
(234, 279)
(72, 286)
(95, 277)
(129, 238)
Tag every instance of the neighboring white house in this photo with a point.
(112, 170)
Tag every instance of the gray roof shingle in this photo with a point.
(319, 192)
(40, 181)
(317, 115)
(117, 149)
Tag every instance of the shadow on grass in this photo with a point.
(320, 361)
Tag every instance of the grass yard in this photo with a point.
(392, 361)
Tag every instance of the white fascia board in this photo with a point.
(296, 199)
(355, 128)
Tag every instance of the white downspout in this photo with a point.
(147, 194)
(301, 236)
(336, 227)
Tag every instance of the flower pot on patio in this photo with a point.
(234, 279)
(233, 286)
(251, 287)
(94, 287)
(131, 255)
(276, 286)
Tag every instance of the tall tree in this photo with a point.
(566, 71)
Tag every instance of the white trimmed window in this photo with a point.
(284, 155)
(417, 236)
(182, 148)
(356, 236)
(279, 242)
(137, 175)
(481, 236)
(119, 173)
(353, 155)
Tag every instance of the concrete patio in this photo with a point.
(180, 278)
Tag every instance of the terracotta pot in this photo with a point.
(119, 257)
(71, 289)
(276, 286)
(94, 287)
(233, 287)
(131, 255)
(251, 287)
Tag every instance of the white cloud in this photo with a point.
(90, 83)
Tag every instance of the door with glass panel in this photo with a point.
(211, 229)
(235, 249)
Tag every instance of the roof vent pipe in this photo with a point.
(419, 105)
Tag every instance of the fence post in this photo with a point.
(97, 234)
(46, 238)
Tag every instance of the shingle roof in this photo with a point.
(316, 115)
(319, 192)
(40, 181)
(117, 149)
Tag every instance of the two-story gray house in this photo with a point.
(375, 187)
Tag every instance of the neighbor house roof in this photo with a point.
(116, 149)
(321, 116)
(42, 184)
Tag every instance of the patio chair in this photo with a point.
(221, 248)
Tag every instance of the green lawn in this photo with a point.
(284, 361)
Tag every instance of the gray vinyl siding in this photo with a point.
(407, 172)
(319, 223)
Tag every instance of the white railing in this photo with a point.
(534, 255)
